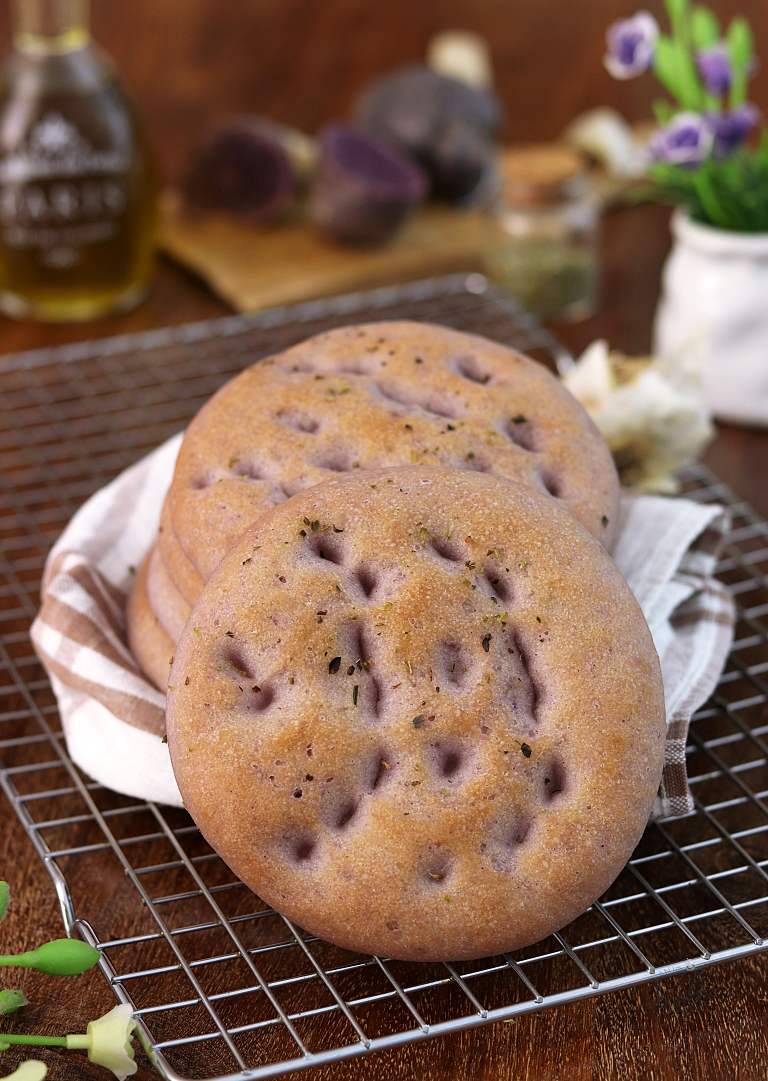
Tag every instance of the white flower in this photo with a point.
(31, 1070)
(649, 410)
(108, 1041)
(605, 135)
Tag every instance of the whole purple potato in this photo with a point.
(248, 167)
(364, 186)
(446, 125)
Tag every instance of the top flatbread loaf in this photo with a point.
(372, 396)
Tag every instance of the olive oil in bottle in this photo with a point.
(78, 189)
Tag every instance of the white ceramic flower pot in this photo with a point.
(715, 290)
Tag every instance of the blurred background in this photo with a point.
(191, 64)
(303, 62)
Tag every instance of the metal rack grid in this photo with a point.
(222, 985)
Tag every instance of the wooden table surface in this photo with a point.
(709, 1026)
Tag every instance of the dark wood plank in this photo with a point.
(739, 456)
(175, 297)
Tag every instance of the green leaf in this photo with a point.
(739, 40)
(729, 193)
(688, 81)
(740, 49)
(674, 67)
(4, 1046)
(10, 1001)
(665, 67)
(678, 11)
(61, 957)
(663, 111)
(5, 897)
(709, 200)
(705, 29)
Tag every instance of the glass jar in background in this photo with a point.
(548, 257)
(78, 188)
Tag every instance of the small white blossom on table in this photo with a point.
(31, 1070)
(650, 411)
(108, 1041)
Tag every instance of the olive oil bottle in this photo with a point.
(78, 189)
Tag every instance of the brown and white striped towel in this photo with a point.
(114, 719)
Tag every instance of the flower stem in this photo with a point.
(39, 1041)
(75, 1043)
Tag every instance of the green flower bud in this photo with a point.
(61, 957)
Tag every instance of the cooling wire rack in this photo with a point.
(223, 986)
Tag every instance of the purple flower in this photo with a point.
(686, 140)
(732, 128)
(714, 64)
(631, 44)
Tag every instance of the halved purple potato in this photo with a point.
(364, 186)
(248, 167)
(446, 125)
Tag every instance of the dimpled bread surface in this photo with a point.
(420, 713)
(368, 396)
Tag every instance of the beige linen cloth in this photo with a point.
(114, 719)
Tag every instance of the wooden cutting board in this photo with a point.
(254, 267)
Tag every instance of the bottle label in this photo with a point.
(59, 194)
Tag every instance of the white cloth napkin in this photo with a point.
(114, 719)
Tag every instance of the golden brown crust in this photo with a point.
(381, 394)
(182, 572)
(398, 818)
(147, 641)
(164, 598)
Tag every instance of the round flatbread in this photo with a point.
(419, 712)
(363, 397)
